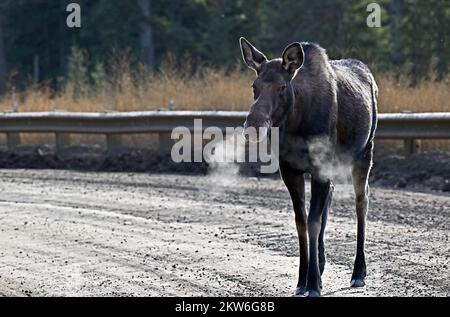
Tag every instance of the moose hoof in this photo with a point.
(313, 294)
(357, 282)
(300, 291)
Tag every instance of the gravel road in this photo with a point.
(116, 234)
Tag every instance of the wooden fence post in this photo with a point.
(113, 143)
(13, 141)
(165, 143)
(61, 141)
(411, 146)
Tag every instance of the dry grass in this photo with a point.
(209, 90)
(398, 96)
(212, 90)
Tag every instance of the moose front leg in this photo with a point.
(295, 183)
(320, 201)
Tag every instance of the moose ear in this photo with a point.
(252, 57)
(293, 57)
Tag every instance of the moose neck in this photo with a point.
(291, 119)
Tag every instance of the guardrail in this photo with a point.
(406, 126)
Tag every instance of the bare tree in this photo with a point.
(3, 70)
(146, 36)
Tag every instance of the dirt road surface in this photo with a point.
(104, 234)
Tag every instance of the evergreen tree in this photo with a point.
(425, 28)
(358, 40)
(413, 34)
(3, 71)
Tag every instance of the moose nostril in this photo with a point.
(245, 135)
(250, 134)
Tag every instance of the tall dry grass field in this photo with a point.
(124, 90)
(207, 90)
(398, 96)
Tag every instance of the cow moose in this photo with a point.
(325, 110)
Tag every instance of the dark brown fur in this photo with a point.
(326, 111)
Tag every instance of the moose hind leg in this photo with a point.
(360, 174)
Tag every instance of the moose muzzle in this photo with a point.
(256, 127)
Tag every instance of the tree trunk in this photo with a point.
(395, 12)
(3, 70)
(146, 36)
